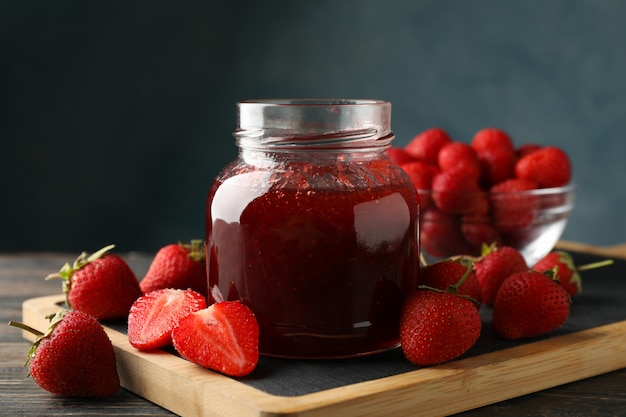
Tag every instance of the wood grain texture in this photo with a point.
(617, 251)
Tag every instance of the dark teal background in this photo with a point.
(116, 116)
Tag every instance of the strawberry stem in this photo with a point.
(55, 318)
(98, 254)
(33, 348)
(453, 289)
(595, 265)
(26, 327)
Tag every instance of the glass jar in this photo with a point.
(314, 228)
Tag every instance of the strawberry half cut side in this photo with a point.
(154, 315)
(223, 337)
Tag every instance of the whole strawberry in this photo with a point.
(399, 155)
(513, 206)
(495, 266)
(179, 266)
(74, 358)
(567, 273)
(491, 138)
(549, 166)
(101, 285)
(223, 337)
(529, 304)
(526, 149)
(478, 230)
(154, 315)
(426, 145)
(421, 174)
(497, 165)
(440, 235)
(438, 326)
(457, 191)
(448, 272)
(459, 154)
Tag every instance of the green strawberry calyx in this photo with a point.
(196, 249)
(67, 271)
(54, 318)
(488, 249)
(553, 274)
(566, 259)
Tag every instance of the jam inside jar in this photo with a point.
(314, 228)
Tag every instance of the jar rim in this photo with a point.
(313, 102)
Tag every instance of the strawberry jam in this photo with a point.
(320, 240)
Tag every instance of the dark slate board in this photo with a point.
(603, 301)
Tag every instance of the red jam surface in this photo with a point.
(324, 256)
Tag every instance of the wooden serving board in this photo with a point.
(591, 343)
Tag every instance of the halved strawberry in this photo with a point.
(154, 315)
(223, 337)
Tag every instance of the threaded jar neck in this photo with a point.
(315, 124)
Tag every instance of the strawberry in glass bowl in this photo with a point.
(488, 192)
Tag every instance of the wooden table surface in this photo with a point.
(22, 277)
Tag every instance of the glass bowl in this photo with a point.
(531, 221)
